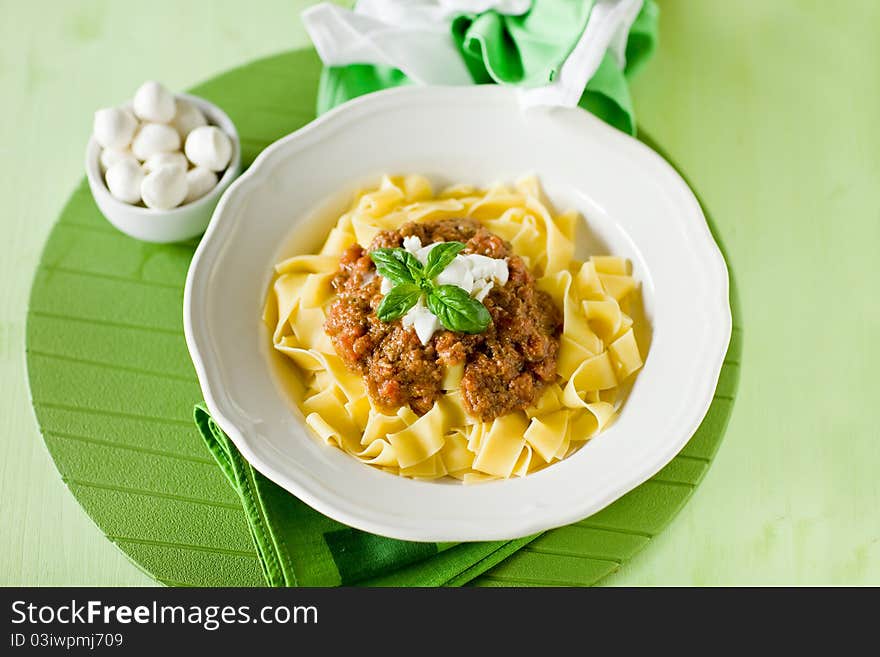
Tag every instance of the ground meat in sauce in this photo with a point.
(505, 368)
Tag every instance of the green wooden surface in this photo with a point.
(769, 108)
(113, 389)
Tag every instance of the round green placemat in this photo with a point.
(113, 389)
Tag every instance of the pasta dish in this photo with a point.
(455, 334)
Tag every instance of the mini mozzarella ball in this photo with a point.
(153, 102)
(154, 138)
(110, 156)
(164, 188)
(187, 118)
(160, 160)
(114, 127)
(209, 147)
(199, 182)
(124, 180)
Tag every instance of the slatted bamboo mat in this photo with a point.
(113, 389)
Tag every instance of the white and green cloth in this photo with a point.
(558, 52)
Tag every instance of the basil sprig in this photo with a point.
(454, 307)
(440, 257)
(399, 299)
(457, 311)
(397, 265)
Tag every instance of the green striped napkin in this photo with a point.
(298, 546)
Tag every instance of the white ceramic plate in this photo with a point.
(635, 205)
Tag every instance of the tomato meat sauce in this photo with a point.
(505, 368)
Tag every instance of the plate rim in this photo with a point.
(322, 497)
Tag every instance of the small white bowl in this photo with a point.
(177, 224)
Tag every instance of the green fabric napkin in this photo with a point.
(298, 546)
(524, 50)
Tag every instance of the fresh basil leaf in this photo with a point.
(397, 265)
(399, 299)
(440, 256)
(412, 264)
(457, 311)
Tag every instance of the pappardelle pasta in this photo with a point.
(455, 334)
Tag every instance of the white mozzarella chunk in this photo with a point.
(199, 181)
(187, 118)
(208, 146)
(110, 156)
(488, 268)
(153, 102)
(458, 272)
(422, 321)
(159, 160)
(154, 138)
(482, 289)
(164, 188)
(412, 244)
(422, 253)
(124, 180)
(114, 127)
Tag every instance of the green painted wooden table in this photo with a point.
(767, 107)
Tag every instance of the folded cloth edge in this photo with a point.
(235, 469)
(343, 37)
(455, 566)
(608, 20)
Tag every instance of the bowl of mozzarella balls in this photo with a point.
(158, 165)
